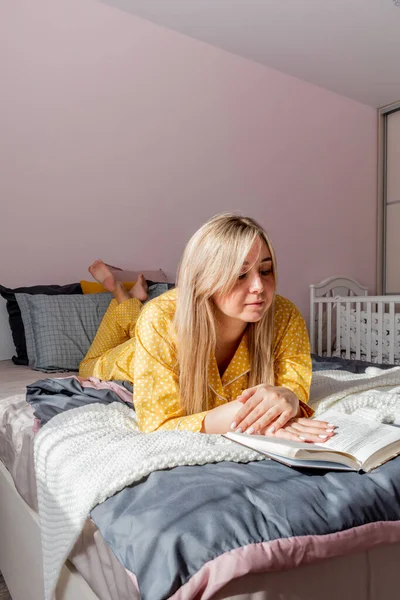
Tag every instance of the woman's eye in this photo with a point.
(263, 273)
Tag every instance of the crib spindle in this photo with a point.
(320, 307)
(392, 331)
(329, 330)
(369, 331)
(338, 307)
(348, 321)
(358, 331)
(380, 331)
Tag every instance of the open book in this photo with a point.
(358, 445)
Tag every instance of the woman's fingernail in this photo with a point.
(271, 429)
(250, 430)
(329, 430)
(239, 430)
(302, 438)
(331, 425)
(233, 426)
(323, 436)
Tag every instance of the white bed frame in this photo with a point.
(21, 551)
(327, 297)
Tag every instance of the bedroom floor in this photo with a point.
(4, 595)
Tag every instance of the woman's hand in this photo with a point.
(306, 430)
(266, 409)
(300, 429)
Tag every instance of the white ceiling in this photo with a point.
(351, 47)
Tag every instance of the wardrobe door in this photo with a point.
(392, 249)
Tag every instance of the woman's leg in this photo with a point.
(111, 354)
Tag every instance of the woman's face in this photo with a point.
(254, 290)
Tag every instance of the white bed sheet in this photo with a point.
(91, 556)
(14, 378)
(16, 421)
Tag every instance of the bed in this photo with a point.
(358, 570)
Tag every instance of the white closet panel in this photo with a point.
(393, 158)
(393, 249)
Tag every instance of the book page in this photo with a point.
(264, 443)
(294, 453)
(360, 438)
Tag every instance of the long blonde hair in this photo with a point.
(211, 263)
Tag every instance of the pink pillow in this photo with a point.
(122, 275)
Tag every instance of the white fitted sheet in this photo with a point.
(14, 378)
(91, 556)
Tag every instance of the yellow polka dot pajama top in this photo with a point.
(138, 344)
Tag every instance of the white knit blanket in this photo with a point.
(85, 455)
(374, 394)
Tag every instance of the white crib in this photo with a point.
(345, 321)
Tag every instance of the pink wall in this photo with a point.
(119, 138)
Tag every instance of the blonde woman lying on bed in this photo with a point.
(220, 351)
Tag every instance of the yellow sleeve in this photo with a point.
(156, 375)
(292, 358)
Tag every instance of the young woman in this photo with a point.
(220, 351)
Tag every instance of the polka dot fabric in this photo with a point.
(112, 352)
(147, 356)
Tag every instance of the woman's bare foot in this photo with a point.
(101, 273)
(139, 290)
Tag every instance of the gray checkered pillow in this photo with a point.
(59, 329)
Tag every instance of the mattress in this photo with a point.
(14, 378)
(91, 556)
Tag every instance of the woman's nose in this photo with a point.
(256, 284)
